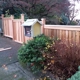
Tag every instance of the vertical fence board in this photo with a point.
(52, 32)
(77, 37)
(74, 37)
(70, 37)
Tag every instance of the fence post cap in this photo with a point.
(43, 18)
(22, 14)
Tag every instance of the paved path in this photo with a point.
(15, 72)
(8, 51)
(10, 69)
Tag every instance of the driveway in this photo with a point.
(10, 69)
(8, 51)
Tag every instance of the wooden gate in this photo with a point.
(8, 27)
(18, 35)
(12, 28)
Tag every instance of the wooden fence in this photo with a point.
(67, 33)
(13, 29)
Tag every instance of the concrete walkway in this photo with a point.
(8, 51)
(15, 72)
(10, 69)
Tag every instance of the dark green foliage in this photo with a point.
(73, 23)
(37, 8)
(12, 11)
(64, 20)
(17, 12)
(32, 52)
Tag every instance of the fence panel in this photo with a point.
(68, 34)
(12, 28)
(8, 27)
(18, 34)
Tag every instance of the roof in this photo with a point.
(30, 22)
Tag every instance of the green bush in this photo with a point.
(76, 76)
(32, 52)
(73, 23)
(63, 20)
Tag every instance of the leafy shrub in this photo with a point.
(63, 20)
(7, 13)
(73, 23)
(62, 59)
(76, 76)
(32, 52)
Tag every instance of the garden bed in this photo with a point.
(50, 55)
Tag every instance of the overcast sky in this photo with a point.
(78, 7)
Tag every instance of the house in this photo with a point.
(32, 27)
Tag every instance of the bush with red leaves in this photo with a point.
(62, 60)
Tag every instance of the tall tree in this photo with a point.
(40, 8)
(73, 12)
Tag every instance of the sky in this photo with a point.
(77, 7)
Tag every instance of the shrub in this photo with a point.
(63, 59)
(73, 23)
(41, 53)
(76, 76)
(63, 20)
(32, 52)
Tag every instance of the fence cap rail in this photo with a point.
(62, 27)
(72, 26)
(15, 20)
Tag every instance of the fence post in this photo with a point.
(22, 17)
(22, 20)
(43, 24)
(12, 18)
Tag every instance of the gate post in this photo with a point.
(43, 24)
(12, 30)
(22, 20)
